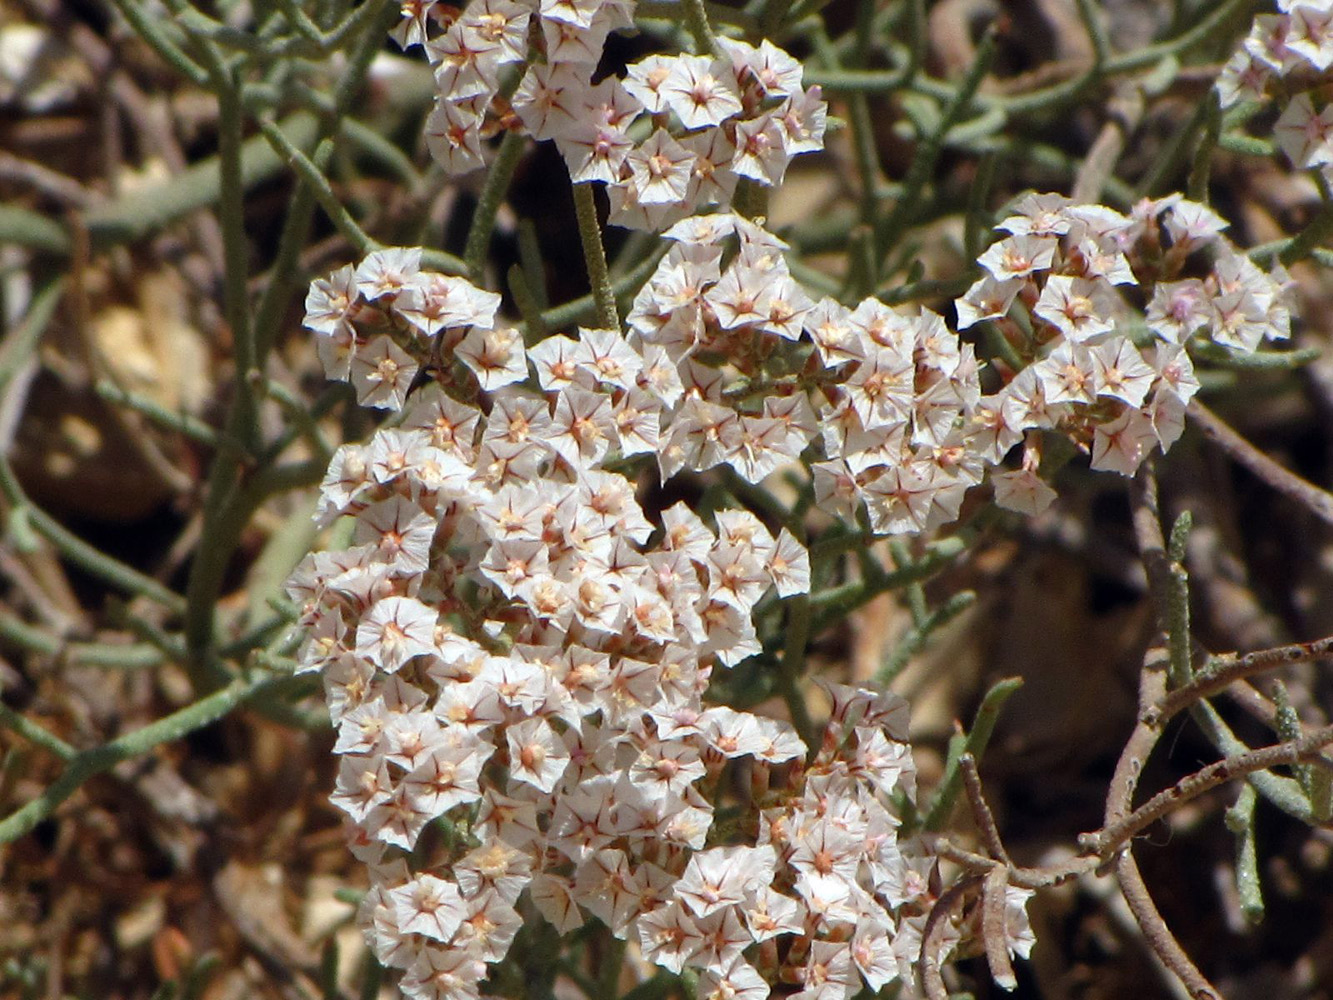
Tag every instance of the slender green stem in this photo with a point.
(1225, 357)
(838, 602)
(17, 348)
(155, 31)
(380, 149)
(1316, 234)
(534, 268)
(92, 762)
(1177, 611)
(34, 733)
(1092, 23)
(1197, 185)
(696, 22)
(282, 276)
(975, 744)
(1285, 793)
(297, 411)
(1166, 162)
(608, 976)
(1240, 821)
(317, 410)
(90, 654)
(534, 329)
(928, 152)
(182, 423)
(594, 257)
(493, 193)
(80, 553)
(362, 242)
(718, 13)
(916, 637)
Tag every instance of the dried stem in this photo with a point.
(981, 814)
(1227, 668)
(1158, 935)
(1282, 754)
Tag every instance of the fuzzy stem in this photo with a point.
(594, 256)
(499, 175)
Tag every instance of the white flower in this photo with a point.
(1019, 256)
(330, 302)
(1122, 445)
(660, 170)
(701, 91)
(496, 357)
(395, 630)
(1080, 309)
(453, 136)
(1306, 136)
(761, 151)
(381, 371)
(428, 906)
(1022, 490)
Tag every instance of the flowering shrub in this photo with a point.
(505, 650)
(512, 648)
(573, 575)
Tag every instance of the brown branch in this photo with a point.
(1024, 878)
(1117, 833)
(994, 906)
(1227, 668)
(928, 962)
(1290, 485)
(981, 814)
(1158, 935)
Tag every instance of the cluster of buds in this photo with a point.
(1290, 51)
(1100, 308)
(711, 120)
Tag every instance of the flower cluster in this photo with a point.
(516, 653)
(1102, 306)
(711, 119)
(881, 399)
(1294, 48)
(516, 657)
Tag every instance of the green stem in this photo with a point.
(975, 744)
(838, 602)
(92, 762)
(1240, 821)
(383, 151)
(182, 423)
(493, 193)
(19, 345)
(696, 22)
(594, 257)
(320, 187)
(916, 638)
(34, 733)
(153, 30)
(528, 307)
(90, 654)
(1101, 48)
(1180, 669)
(83, 555)
(1285, 793)
(282, 276)
(928, 153)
